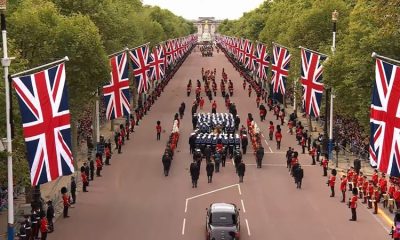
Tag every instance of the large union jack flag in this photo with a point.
(280, 69)
(385, 119)
(242, 50)
(157, 63)
(311, 80)
(141, 67)
(116, 94)
(261, 61)
(43, 101)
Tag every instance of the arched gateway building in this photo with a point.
(206, 28)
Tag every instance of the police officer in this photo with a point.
(259, 156)
(241, 169)
(207, 153)
(73, 191)
(50, 215)
(217, 160)
(194, 173)
(166, 160)
(210, 171)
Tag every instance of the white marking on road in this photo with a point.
(183, 227)
(270, 149)
(244, 209)
(262, 135)
(186, 205)
(248, 229)
(233, 162)
(266, 142)
(240, 190)
(213, 191)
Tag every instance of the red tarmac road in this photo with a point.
(134, 200)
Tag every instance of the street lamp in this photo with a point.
(335, 15)
(5, 62)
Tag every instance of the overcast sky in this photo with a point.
(220, 9)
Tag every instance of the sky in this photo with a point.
(220, 9)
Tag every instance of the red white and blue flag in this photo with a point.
(141, 67)
(242, 50)
(157, 63)
(43, 101)
(249, 57)
(311, 80)
(168, 52)
(384, 150)
(261, 61)
(116, 94)
(280, 69)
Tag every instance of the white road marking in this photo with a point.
(270, 149)
(244, 209)
(186, 205)
(183, 227)
(262, 135)
(266, 142)
(248, 229)
(240, 190)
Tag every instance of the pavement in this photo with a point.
(134, 200)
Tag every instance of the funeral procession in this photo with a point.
(190, 120)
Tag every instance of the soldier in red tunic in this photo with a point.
(331, 182)
(353, 205)
(158, 130)
(249, 89)
(324, 165)
(99, 166)
(271, 129)
(343, 187)
(278, 137)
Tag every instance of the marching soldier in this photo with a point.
(194, 173)
(210, 171)
(271, 129)
(313, 153)
(278, 137)
(244, 84)
(288, 157)
(298, 176)
(166, 160)
(259, 156)
(158, 130)
(28, 227)
(35, 224)
(217, 160)
(43, 227)
(245, 142)
(249, 89)
(214, 107)
(241, 169)
(324, 165)
(22, 232)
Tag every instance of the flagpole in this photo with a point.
(325, 55)
(375, 55)
(335, 16)
(40, 67)
(119, 52)
(279, 45)
(139, 46)
(5, 62)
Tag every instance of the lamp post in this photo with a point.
(335, 15)
(5, 62)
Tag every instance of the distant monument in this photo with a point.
(206, 28)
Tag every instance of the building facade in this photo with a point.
(206, 28)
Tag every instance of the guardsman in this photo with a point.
(271, 129)
(383, 184)
(127, 131)
(50, 215)
(201, 103)
(210, 170)
(22, 232)
(294, 162)
(360, 183)
(244, 84)
(230, 88)
(214, 107)
(35, 224)
(263, 112)
(217, 160)
(119, 143)
(343, 187)
(99, 165)
(375, 199)
(313, 153)
(303, 144)
(43, 227)
(365, 189)
(331, 182)
(375, 177)
(350, 174)
(324, 165)
(353, 205)
(158, 130)
(282, 116)
(66, 202)
(73, 190)
(107, 153)
(258, 99)
(249, 89)
(241, 169)
(188, 90)
(85, 181)
(370, 193)
(278, 138)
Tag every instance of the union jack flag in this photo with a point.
(384, 149)
(261, 61)
(116, 94)
(280, 69)
(242, 50)
(157, 63)
(43, 101)
(141, 67)
(311, 80)
(249, 56)
(168, 52)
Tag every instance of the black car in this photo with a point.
(222, 222)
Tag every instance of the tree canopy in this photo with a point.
(364, 26)
(42, 31)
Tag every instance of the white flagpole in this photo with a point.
(40, 67)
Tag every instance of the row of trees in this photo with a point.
(41, 31)
(363, 27)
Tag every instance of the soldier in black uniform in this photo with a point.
(207, 153)
(22, 232)
(259, 156)
(224, 153)
(166, 160)
(298, 176)
(73, 191)
(28, 227)
(210, 171)
(192, 142)
(50, 215)
(35, 219)
(237, 158)
(289, 153)
(245, 142)
(194, 173)
(241, 170)
(87, 171)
